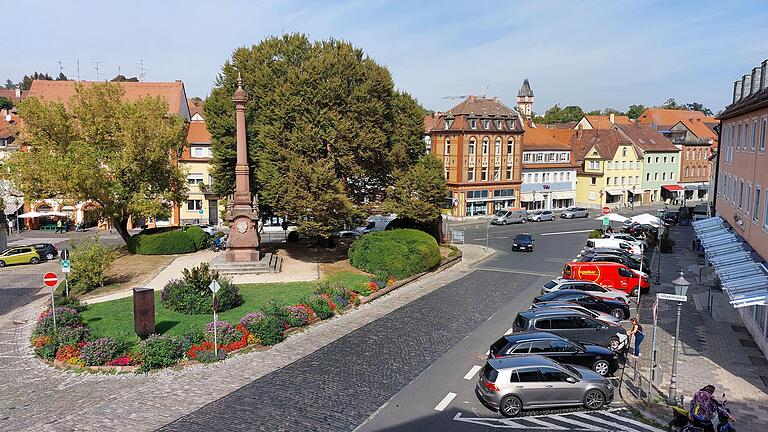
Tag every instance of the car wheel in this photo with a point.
(2, 264)
(503, 222)
(49, 256)
(601, 367)
(34, 260)
(511, 406)
(613, 343)
(618, 313)
(594, 400)
(635, 291)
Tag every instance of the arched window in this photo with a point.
(497, 148)
(485, 145)
(687, 172)
(472, 145)
(447, 146)
(511, 146)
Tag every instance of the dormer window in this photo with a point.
(498, 124)
(473, 124)
(511, 124)
(448, 123)
(486, 124)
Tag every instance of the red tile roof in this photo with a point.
(62, 91)
(699, 128)
(547, 139)
(197, 133)
(430, 121)
(10, 94)
(6, 127)
(647, 138)
(669, 117)
(195, 107)
(480, 109)
(606, 141)
(604, 122)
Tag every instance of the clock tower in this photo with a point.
(243, 213)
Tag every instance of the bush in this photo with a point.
(299, 315)
(268, 330)
(432, 228)
(225, 333)
(90, 262)
(321, 306)
(206, 356)
(596, 234)
(71, 301)
(293, 237)
(162, 243)
(45, 346)
(65, 317)
(99, 352)
(192, 295)
(158, 351)
(72, 335)
(400, 252)
(250, 320)
(198, 236)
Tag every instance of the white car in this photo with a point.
(541, 215)
(626, 237)
(590, 287)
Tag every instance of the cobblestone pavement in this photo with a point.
(36, 397)
(710, 352)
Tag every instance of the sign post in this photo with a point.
(457, 236)
(50, 280)
(654, 361)
(66, 268)
(214, 286)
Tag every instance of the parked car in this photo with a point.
(638, 230)
(523, 242)
(510, 215)
(590, 287)
(600, 257)
(572, 325)
(616, 252)
(602, 316)
(611, 243)
(513, 384)
(19, 255)
(209, 229)
(574, 212)
(541, 215)
(626, 237)
(375, 223)
(345, 234)
(46, 250)
(598, 358)
(616, 308)
(608, 274)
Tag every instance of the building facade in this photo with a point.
(742, 191)
(659, 160)
(549, 172)
(695, 141)
(479, 142)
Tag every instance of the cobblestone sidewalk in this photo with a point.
(36, 397)
(710, 352)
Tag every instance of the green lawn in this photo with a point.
(115, 318)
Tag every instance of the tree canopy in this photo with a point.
(634, 111)
(114, 152)
(5, 103)
(556, 114)
(123, 78)
(326, 129)
(420, 192)
(26, 82)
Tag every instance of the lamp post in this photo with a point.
(681, 289)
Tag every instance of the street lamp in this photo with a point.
(681, 289)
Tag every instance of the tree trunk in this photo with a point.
(121, 225)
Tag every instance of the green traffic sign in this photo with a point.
(606, 221)
(65, 266)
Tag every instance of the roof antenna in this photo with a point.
(78, 69)
(142, 70)
(61, 67)
(96, 68)
(485, 93)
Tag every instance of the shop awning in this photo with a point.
(673, 188)
(742, 274)
(614, 192)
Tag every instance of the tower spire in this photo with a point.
(525, 100)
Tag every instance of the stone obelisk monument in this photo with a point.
(243, 214)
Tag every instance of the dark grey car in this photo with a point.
(572, 325)
(512, 384)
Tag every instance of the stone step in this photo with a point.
(269, 263)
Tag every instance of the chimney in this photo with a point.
(471, 98)
(763, 72)
(755, 80)
(613, 118)
(578, 131)
(736, 91)
(746, 85)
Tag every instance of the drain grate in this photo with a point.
(739, 329)
(758, 361)
(748, 343)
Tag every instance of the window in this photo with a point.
(527, 157)
(497, 149)
(471, 174)
(622, 180)
(594, 181)
(655, 176)
(756, 214)
(486, 124)
(561, 346)
(624, 152)
(511, 146)
(539, 157)
(497, 173)
(738, 138)
(765, 213)
(497, 123)
(748, 201)
(473, 124)
(648, 177)
(472, 144)
(649, 160)
(484, 174)
(657, 159)
(608, 165)
(671, 177)
(741, 192)
(582, 322)
(511, 124)
(552, 374)
(672, 159)
(624, 164)
(447, 146)
(195, 179)
(448, 123)
(665, 159)
(745, 135)
(637, 179)
(523, 348)
(608, 181)
(485, 146)
(194, 205)
(528, 375)
(561, 323)
(754, 134)
(536, 177)
(539, 347)
(663, 176)
(594, 165)
(509, 173)
(687, 172)
(763, 130)
(201, 152)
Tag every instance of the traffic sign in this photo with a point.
(50, 279)
(606, 221)
(201, 211)
(214, 286)
(673, 297)
(457, 236)
(64, 254)
(65, 266)
(606, 210)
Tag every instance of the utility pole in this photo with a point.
(142, 70)
(78, 69)
(61, 67)
(96, 68)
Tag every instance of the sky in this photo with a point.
(594, 54)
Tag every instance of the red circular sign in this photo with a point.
(606, 210)
(50, 279)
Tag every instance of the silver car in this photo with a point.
(574, 212)
(512, 384)
(541, 215)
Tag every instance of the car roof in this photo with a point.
(539, 312)
(567, 291)
(521, 361)
(530, 335)
(602, 263)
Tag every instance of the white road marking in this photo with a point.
(615, 426)
(511, 330)
(589, 427)
(629, 420)
(472, 372)
(487, 352)
(446, 400)
(502, 237)
(543, 423)
(566, 232)
(481, 238)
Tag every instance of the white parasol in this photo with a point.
(614, 217)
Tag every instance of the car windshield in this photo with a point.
(536, 212)
(523, 238)
(571, 369)
(550, 284)
(500, 213)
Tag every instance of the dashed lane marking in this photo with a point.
(593, 421)
(472, 372)
(446, 400)
(566, 232)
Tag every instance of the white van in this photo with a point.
(510, 215)
(614, 243)
(375, 223)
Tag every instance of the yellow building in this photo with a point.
(610, 168)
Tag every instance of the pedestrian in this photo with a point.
(637, 332)
(59, 227)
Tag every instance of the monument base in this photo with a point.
(270, 263)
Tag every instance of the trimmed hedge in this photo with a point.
(162, 243)
(400, 252)
(432, 228)
(199, 237)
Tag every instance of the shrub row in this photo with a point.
(168, 242)
(400, 252)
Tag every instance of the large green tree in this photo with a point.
(555, 114)
(326, 129)
(5, 103)
(101, 148)
(420, 192)
(635, 111)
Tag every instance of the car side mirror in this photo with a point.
(572, 380)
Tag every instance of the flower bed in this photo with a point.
(70, 344)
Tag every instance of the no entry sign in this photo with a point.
(50, 279)
(606, 210)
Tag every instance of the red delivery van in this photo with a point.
(608, 274)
